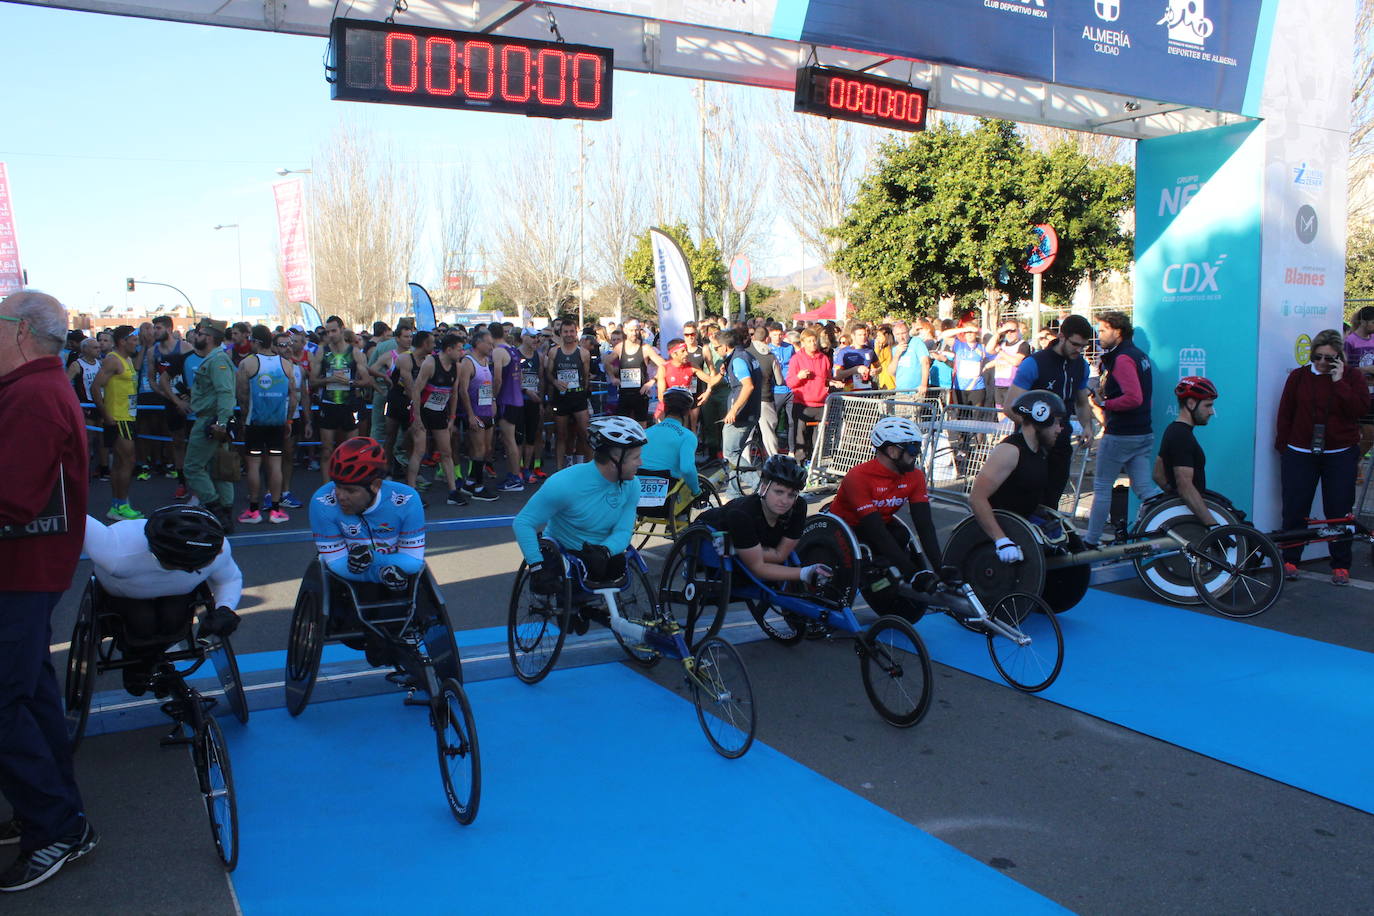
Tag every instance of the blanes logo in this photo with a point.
(1193, 281)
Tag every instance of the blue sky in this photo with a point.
(127, 140)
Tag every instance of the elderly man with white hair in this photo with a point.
(42, 525)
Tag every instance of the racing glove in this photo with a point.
(393, 578)
(544, 579)
(816, 575)
(220, 622)
(1008, 552)
(359, 558)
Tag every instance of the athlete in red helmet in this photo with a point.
(1181, 465)
(367, 528)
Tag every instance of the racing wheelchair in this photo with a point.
(407, 630)
(538, 625)
(667, 507)
(101, 643)
(702, 576)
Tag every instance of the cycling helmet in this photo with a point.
(1195, 386)
(894, 431)
(615, 432)
(1040, 407)
(678, 400)
(357, 461)
(784, 470)
(184, 537)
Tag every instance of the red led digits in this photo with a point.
(515, 61)
(549, 63)
(878, 101)
(448, 66)
(480, 57)
(586, 72)
(407, 62)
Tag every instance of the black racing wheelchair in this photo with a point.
(407, 630)
(101, 642)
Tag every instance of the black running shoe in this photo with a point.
(458, 498)
(486, 494)
(10, 832)
(33, 868)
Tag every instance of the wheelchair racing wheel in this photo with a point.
(226, 666)
(460, 763)
(436, 630)
(1170, 576)
(536, 627)
(306, 640)
(971, 552)
(695, 586)
(723, 697)
(1238, 571)
(81, 666)
(636, 602)
(217, 788)
(895, 667)
(1066, 586)
(1029, 660)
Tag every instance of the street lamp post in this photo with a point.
(238, 243)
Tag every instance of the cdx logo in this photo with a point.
(1193, 277)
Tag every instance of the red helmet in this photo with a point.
(1195, 386)
(359, 461)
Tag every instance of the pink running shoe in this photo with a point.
(250, 517)
(277, 516)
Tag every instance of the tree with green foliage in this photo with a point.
(1359, 267)
(949, 212)
(704, 263)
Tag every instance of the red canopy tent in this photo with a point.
(824, 313)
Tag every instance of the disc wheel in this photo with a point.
(303, 648)
(80, 684)
(896, 671)
(536, 627)
(1170, 575)
(217, 789)
(723, 696)
(778, 625)
(636, 602)
(695, 586)
(1030, 659)
(227, 670)
(460, 763)
(1237, 571)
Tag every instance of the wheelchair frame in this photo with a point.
(649, 524)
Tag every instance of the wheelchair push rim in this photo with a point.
(440, 644)
(460, 761)
(895, 667)
(974, 555)
(306, 641)
(536, 627)
(230, 681)
(692, 591)
(723, 696)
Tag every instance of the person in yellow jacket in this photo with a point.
(115, 390)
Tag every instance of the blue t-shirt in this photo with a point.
(941, 373)
(576, 507)
(908, 370)
(849, 357)
(968, 365)
(783, 353)
(393, 528)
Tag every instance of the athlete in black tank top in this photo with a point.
(1020, 492)
(1013, 477)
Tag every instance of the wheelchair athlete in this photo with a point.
(764, 527)
(155, 574)
(1014, 475)
(872, 493)
(672, 447)
(366, 528)
(588, 510)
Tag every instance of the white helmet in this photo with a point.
(615, 432)
(894, 431)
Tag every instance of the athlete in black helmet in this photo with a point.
(1013, 478)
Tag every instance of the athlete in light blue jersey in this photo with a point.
(672, 447)
(587, 509)
(367, 529)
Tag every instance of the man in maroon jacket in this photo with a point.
(36, 775)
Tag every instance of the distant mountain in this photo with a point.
(817, 279)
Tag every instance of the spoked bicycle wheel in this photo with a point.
(896, 671)
(460, 763)
(80, 685)
(536, 627)
(695, 587)
(749, 463)
(636, 602)
(1237, 571)
(217, 788)
(723, 697)
(1030, 659)
(778, 625)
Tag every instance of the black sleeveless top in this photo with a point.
(566, 362)
(1020, 493)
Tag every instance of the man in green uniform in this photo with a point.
(212, 401)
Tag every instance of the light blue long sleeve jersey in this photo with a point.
(575, 507)
(673, 448)
(393, 528)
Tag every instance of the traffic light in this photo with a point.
(129, 284)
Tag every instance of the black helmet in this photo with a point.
(1040, 407)
(785, 470)
(184, 537)
(678, 400)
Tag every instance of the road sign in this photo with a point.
(739, 273)
(1041, 255)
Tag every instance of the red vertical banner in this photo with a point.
(295, 242)
(11, 274)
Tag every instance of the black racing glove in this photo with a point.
(544, 579)
(359, 559)
(220, 622)
(598, 561)
(393, 578)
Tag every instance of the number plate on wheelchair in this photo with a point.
(653, 492)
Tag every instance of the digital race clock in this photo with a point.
(854, 96)
(438, 68)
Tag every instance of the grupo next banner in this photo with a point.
(1197, 248)
(11, 273)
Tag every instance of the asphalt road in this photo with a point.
(1094, 816)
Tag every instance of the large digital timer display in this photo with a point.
(854, 96)
(437, 68)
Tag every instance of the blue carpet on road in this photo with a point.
(599, 794)
(1292, 709)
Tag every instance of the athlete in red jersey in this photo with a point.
(872, 492)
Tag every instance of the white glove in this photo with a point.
(1008, 552)
(816, 575)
